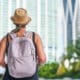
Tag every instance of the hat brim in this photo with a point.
(26, 20)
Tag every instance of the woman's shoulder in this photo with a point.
(37, 37)
(35, 33)
(3, 40)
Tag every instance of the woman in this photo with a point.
(21, 19)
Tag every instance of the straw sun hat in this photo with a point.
(20, 16)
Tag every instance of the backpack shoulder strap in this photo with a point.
(7, 43)
(33, 38)
(12, 35)
(7, 40)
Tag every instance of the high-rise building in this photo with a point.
(70, 17)
(78, 20)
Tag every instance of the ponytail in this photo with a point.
(18, 26)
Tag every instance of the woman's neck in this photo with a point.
(22, 30)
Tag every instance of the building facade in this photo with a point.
(47, 20)
(70, 20)
(78, 21)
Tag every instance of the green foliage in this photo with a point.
(61, 70)
(54, 70)
(1, 76)
(78, 48)
(48, 70)
(76, 66)
(77, 75)
(70, 50)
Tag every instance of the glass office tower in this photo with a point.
(78, 20)
(70, 17)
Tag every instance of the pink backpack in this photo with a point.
(21, 56)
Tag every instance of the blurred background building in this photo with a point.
(78, 20)
(70, 16)
(56, 21)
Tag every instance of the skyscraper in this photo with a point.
(70, 16)
(78, 20)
